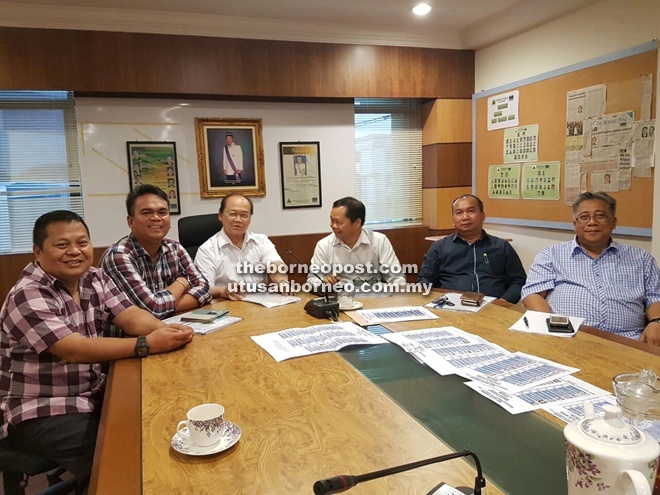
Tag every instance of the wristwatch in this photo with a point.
(655, 320)
(141, 347)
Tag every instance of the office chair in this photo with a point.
(17, 467)
(195, 230)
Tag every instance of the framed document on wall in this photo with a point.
(154, 162)
(300, 167)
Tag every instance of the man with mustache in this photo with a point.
(615, 287)
(51, 382)
(472, 260)
(156, 273)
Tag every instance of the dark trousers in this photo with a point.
(232, 177)
(68, 440)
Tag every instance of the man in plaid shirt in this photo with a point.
(51, 384)
(156, 273)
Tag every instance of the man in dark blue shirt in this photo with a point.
(472, 260)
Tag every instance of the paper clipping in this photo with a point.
(503, 110)
(582, 104)
(504, 181)
(644, 138)
(521, 144)
(611, 129)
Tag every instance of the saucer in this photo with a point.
(356, 305)
(181, 441)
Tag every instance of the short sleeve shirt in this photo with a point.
(37, 313)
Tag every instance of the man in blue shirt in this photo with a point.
(472, 260)
(615, 287)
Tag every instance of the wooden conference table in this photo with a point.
(303, 419)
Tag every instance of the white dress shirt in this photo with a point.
(218, 258)
(371, 247)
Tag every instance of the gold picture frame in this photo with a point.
(230, 155)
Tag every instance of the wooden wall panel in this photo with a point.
(436, 204)
(408, 243)
(447, 121)
(95, 62)
(447, 165)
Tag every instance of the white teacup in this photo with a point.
(205, 423)
(346, 300)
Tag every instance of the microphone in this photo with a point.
(320, 307)
(338, 484)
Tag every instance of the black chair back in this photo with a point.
(196, 230)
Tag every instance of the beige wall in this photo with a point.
(602, 29)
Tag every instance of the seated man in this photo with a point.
(220, 256)
(156, 273)
(368, 254)
(615, 287)
(472, 260)
(51, 385)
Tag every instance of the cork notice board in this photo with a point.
(543, 102)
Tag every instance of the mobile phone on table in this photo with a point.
(559, 324)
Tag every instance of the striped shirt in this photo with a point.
(612, 292)
(145, 281)
(37, 313)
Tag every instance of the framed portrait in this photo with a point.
(154, 162)
(300, 167)
(230, 153)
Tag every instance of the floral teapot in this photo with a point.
(608, 456)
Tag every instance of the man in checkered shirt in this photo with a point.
(156, 273)
(615, 287)
(51, 385)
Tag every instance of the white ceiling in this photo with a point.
(468, 24)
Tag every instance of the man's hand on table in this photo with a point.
(169, 337)
(651, 334)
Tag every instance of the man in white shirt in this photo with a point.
(220, 256)
(232, 158)
(366, 257)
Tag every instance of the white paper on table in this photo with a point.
(391, 315)
(455, 298)
(538, 325)
(446, 349)
(204, 328)
(517, 372)
(270, 299)
(557, 392)
(296, 342)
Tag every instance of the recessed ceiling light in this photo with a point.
(422, 9)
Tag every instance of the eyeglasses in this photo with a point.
(599, 216)
(233, 215)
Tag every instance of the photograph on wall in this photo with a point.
(155, 163)
(521, 144)
(503, 110)
(504, 181)
(541, 180)
(300, 169)
(231, 157)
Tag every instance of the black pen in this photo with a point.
(526, 322)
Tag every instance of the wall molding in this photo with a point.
(179, 23)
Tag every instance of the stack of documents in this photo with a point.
(296, 342)
(517, 381)
(393, 315)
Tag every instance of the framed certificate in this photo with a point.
(300, 165)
